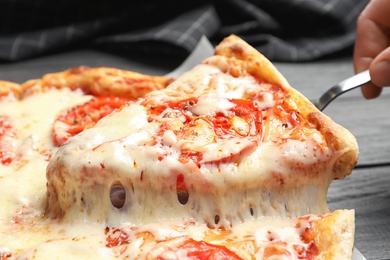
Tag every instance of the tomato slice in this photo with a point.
(200, 250)
(311, 251)
(115, 237)
(84, 116)
(242, 120)
(7, 135)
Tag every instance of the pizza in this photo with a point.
(227, 161)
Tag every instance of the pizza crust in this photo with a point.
(334, 235)
(10, 90)
(101, 81)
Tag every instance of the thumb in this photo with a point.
(380, 69)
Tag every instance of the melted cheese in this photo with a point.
(23, 182)
(207, 105)
(32, 119)
(207, 81)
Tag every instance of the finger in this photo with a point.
(370, 91)
(372, 35)
(380, 69)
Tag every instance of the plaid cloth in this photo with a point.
(283, 30)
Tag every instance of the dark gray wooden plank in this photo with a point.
(367, 191)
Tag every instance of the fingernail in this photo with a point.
(371, 91)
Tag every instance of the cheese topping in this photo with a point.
(23, 181)
(207, 105)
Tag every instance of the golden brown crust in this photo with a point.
(249, 60)
(339, 138)
(334, 235)
(100, 81)
(10, 89)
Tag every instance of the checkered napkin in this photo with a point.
(283, 30)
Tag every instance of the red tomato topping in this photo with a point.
(200, 250)
(7, 134)
(311, 251)
(85, 116)
(6, 255)
(116, 237)
(245, 109)
(242, 120)
(180, 184)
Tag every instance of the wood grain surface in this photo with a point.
(367, 190)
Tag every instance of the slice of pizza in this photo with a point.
(226, 162)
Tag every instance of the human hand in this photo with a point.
(372, 49)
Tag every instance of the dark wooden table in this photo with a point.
(366, 190)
